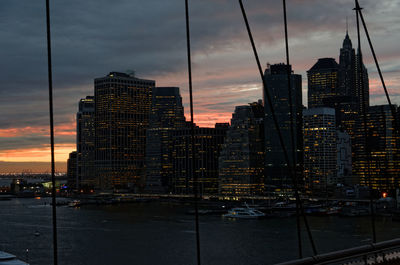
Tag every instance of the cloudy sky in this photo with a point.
(93, 37)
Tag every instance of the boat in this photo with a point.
(9, 259)
(244, 213)
(74, 203)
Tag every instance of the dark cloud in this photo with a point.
(32, 141)
(91, 38)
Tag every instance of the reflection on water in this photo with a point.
(161, 233)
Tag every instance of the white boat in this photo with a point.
(9, 259)
(74, 203)
(244, 213)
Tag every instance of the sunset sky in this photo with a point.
(93, 37)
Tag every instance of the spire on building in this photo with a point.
(347, 42)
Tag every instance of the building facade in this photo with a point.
(380, 161)
(122, 107)
(277, 175)
(166, 116)
(85, 137)
(320, 149)
(71, 170)
(241, 162)
(322, 82)
(344, 160)
(207, 144)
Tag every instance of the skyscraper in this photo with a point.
(362, 83)
(71, 170)
(355, 102)
(322, 82)
(320, 149)
(207, 144)
(241, 162)
(344, 165)
(347, 66)
(85, 131)
(349, 99)
(346, 100)
(166, 116)
(276, 83)
(382, 150)
(122, 107)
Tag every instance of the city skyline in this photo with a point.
(222, 58)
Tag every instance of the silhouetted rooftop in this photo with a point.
(325, 63)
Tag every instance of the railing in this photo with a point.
(386, 252)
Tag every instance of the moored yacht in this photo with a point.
(9, 259)
(245, 213)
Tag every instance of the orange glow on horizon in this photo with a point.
(65, 129)
(209, 120)
(39, 154)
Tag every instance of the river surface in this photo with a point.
(161, 233)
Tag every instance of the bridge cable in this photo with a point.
(376, 61)
(285, 153)
(360, 76)
(292, 134)
(193, 173)
(53, 182)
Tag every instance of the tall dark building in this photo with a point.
(241, 162)
(166, 116)
(352, 103)
(322, 82)
(276, 83)
(85, 131)
(383, 150)
(362, 80)
(208, 143)
(347, 66)
(71, 170)
(122, 107)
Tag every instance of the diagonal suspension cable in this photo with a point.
(53, 190)
(193, 173)
(392, 107)
(360, 76)
(300, 248)
(376, 61)
(276, 124)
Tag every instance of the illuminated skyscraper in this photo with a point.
(320, 149)
(85, 143)
(349, 102)
(208, 142)
(345, 101)
(122, 107)
(166, 116)
(276, 81)
(383, 151)
(241, 162)
(322, 82)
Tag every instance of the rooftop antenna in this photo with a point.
(347, 25)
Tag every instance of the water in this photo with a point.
(161, 233)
